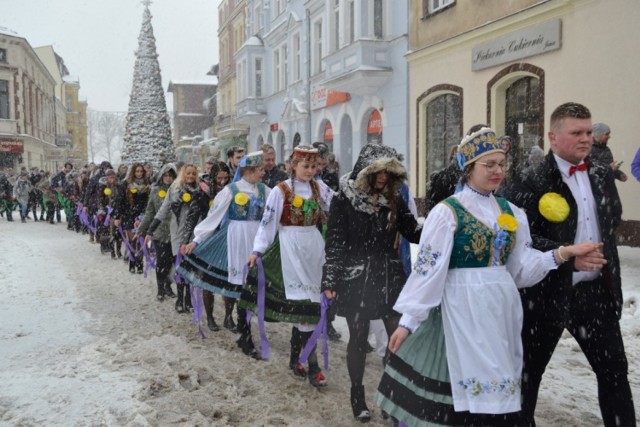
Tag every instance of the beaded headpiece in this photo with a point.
(305, 153)
(477, 145)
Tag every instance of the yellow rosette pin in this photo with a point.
(211, 203)
(554, 207)
(133, 190)
(186, 197)
(297, 202)
(107, 191)
(508, 222)
(241, 199)
(162, 194)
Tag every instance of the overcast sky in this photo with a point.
(97, 40)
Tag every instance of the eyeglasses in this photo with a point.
(493, 166)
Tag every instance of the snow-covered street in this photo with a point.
(85, 343)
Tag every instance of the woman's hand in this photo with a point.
(148, 238)
(397, 338)
(187, 249)
(588, 256)
(252, 260)
(329, 294)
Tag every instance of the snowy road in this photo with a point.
(84, 343)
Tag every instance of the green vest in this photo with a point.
(473, 241)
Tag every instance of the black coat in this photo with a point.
(442, 184)
(550, 298)
(363, 265)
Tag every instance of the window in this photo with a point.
(316, 58)
(257, 19)
(296, 57)
(3, 55)
(378, 19)
(276, 70)
(285, 67)
(336, 24)
(242, 80)
(4, 99)
(433, 6)
(258, 75)
(443, 118)
(352, 21)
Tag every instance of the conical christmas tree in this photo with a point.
(147, 136)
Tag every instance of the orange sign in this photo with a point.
(328, 132)
(375, 123)
(322, 97)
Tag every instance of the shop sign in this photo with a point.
(531, 41)
(375, 123)
(11, 146)
(322, 97)
(328, 132)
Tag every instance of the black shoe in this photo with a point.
(298, 370)
(332, 334)
(179, 305)
(369, 348)
(229, 324)
(246, 345)
(168, 292)
(160, 297)
(358, 405)
(213, 326)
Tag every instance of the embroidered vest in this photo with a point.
(250, 211)
(309, 213)
(473, 241)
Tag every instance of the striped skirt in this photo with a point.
(415, 387)
(207, 266)
(277, 307)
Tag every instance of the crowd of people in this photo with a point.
(502, 269)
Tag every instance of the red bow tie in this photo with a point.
(582, 167)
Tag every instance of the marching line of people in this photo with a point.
(471, 324)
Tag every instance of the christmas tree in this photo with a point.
(147, 136)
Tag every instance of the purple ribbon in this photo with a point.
(262, 291)
(151, 261)
(130, 251)
(319, 331)
(198, 307)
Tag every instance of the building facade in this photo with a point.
(194, 109)
(331, 71)
(31, 116)
(231, 36)
(509, 65)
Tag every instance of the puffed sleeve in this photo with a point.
(219, 208)
(326, 195)
(527, 265)
(425, 286)
(270, 220)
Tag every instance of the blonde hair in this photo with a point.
(179, 181)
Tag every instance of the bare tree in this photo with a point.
(106, 129)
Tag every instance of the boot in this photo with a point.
(332, 334)
(245, 342)
(119, 248)
(92, 237)
(207, 301)
(180, 300)
(187, 299)
(113, 252)
(358, 404)
(160, 296)
(212, 325)
(228, 314)
(132, 267)
(296, 347)
(168, 292)
(138, 264)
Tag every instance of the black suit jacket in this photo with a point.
(550, 298)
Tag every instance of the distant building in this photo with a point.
(194, 109)
(72, 126)
(31, 115)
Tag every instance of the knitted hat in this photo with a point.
(600, 129)
(477, 145)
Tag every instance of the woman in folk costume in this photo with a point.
(192, 269)
(184, 191)
(162, 235)
(107, 205)
(363, 273)
(134, 198)
(293, 264)
(224, 240)
(457, 354)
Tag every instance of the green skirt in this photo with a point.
(277, 307)
(415, 388)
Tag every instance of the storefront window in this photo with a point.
(443, 118)
(522, 117)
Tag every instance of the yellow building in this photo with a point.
(231, 36)
(509, 65)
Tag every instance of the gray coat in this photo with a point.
(174, 209)
(162, 233)
(21, 191)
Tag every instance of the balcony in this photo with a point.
(8, 127)
(226, 124)
(251, 111)
(360, 68)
